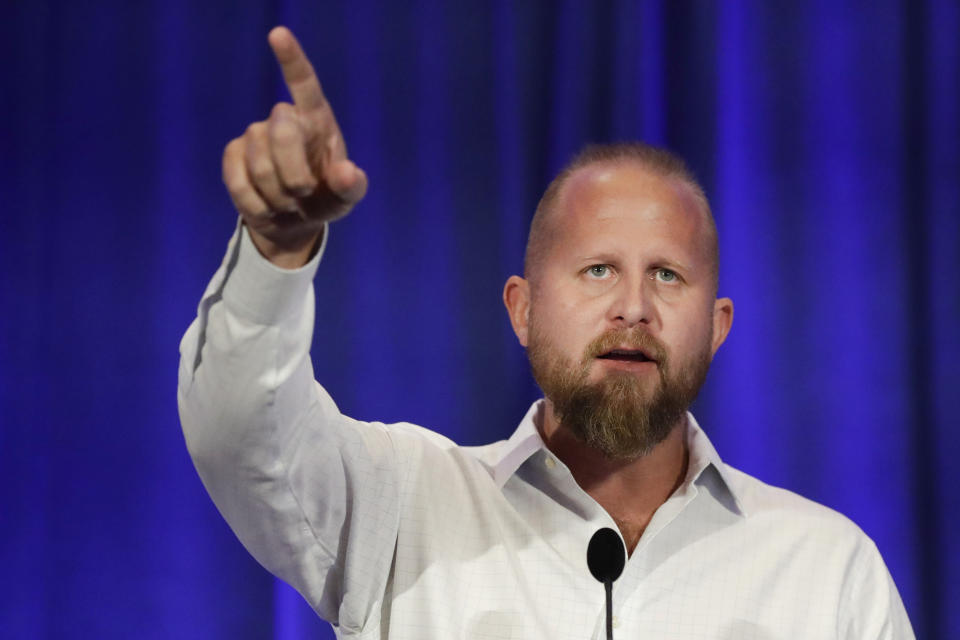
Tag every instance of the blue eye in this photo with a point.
(599, 270)
(666, 275)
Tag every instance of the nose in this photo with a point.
(631, 304)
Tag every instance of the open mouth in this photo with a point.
(626, 355)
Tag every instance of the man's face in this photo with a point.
(621, 318)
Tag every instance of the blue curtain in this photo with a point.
(826, 134)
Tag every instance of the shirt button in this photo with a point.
(550, 462)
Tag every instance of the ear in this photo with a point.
(722, 321)
(516, 298)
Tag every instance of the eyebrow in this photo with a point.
(673, 264)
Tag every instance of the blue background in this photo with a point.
(825, 133)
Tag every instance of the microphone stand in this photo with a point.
(608, 586)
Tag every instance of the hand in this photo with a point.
(289, 174)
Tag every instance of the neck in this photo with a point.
(629, 490)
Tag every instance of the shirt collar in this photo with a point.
(704, 456)
(526, 441)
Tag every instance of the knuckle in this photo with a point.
(261, 170)
(233, 181)
(228, 173)
(248, 203)
(282, 110)
(279, 203)
(232, 157)
(300, 185)
(241, 189)
(286, 205)
(284, 132)
(255, 130)
(233, 173)
(232, 148)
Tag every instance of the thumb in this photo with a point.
(347, 181)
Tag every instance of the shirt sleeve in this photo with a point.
(311, 493)
(871, 608)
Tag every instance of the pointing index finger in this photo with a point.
(298, 73)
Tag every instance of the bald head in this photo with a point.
(656, 162)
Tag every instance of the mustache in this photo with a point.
(635, 338)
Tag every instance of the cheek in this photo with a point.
(698, 340)
(565, 326)
(688, 331)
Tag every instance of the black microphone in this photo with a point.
(605, 558)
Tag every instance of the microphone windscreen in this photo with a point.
(605, 555)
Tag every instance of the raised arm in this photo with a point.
(312, 494)
(288, 175)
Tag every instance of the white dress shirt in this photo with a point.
(394, 531)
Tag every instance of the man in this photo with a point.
(391, 531)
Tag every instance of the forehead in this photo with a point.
(623, 204)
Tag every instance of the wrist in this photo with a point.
(292, 253)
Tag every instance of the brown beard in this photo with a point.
(616, 415)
